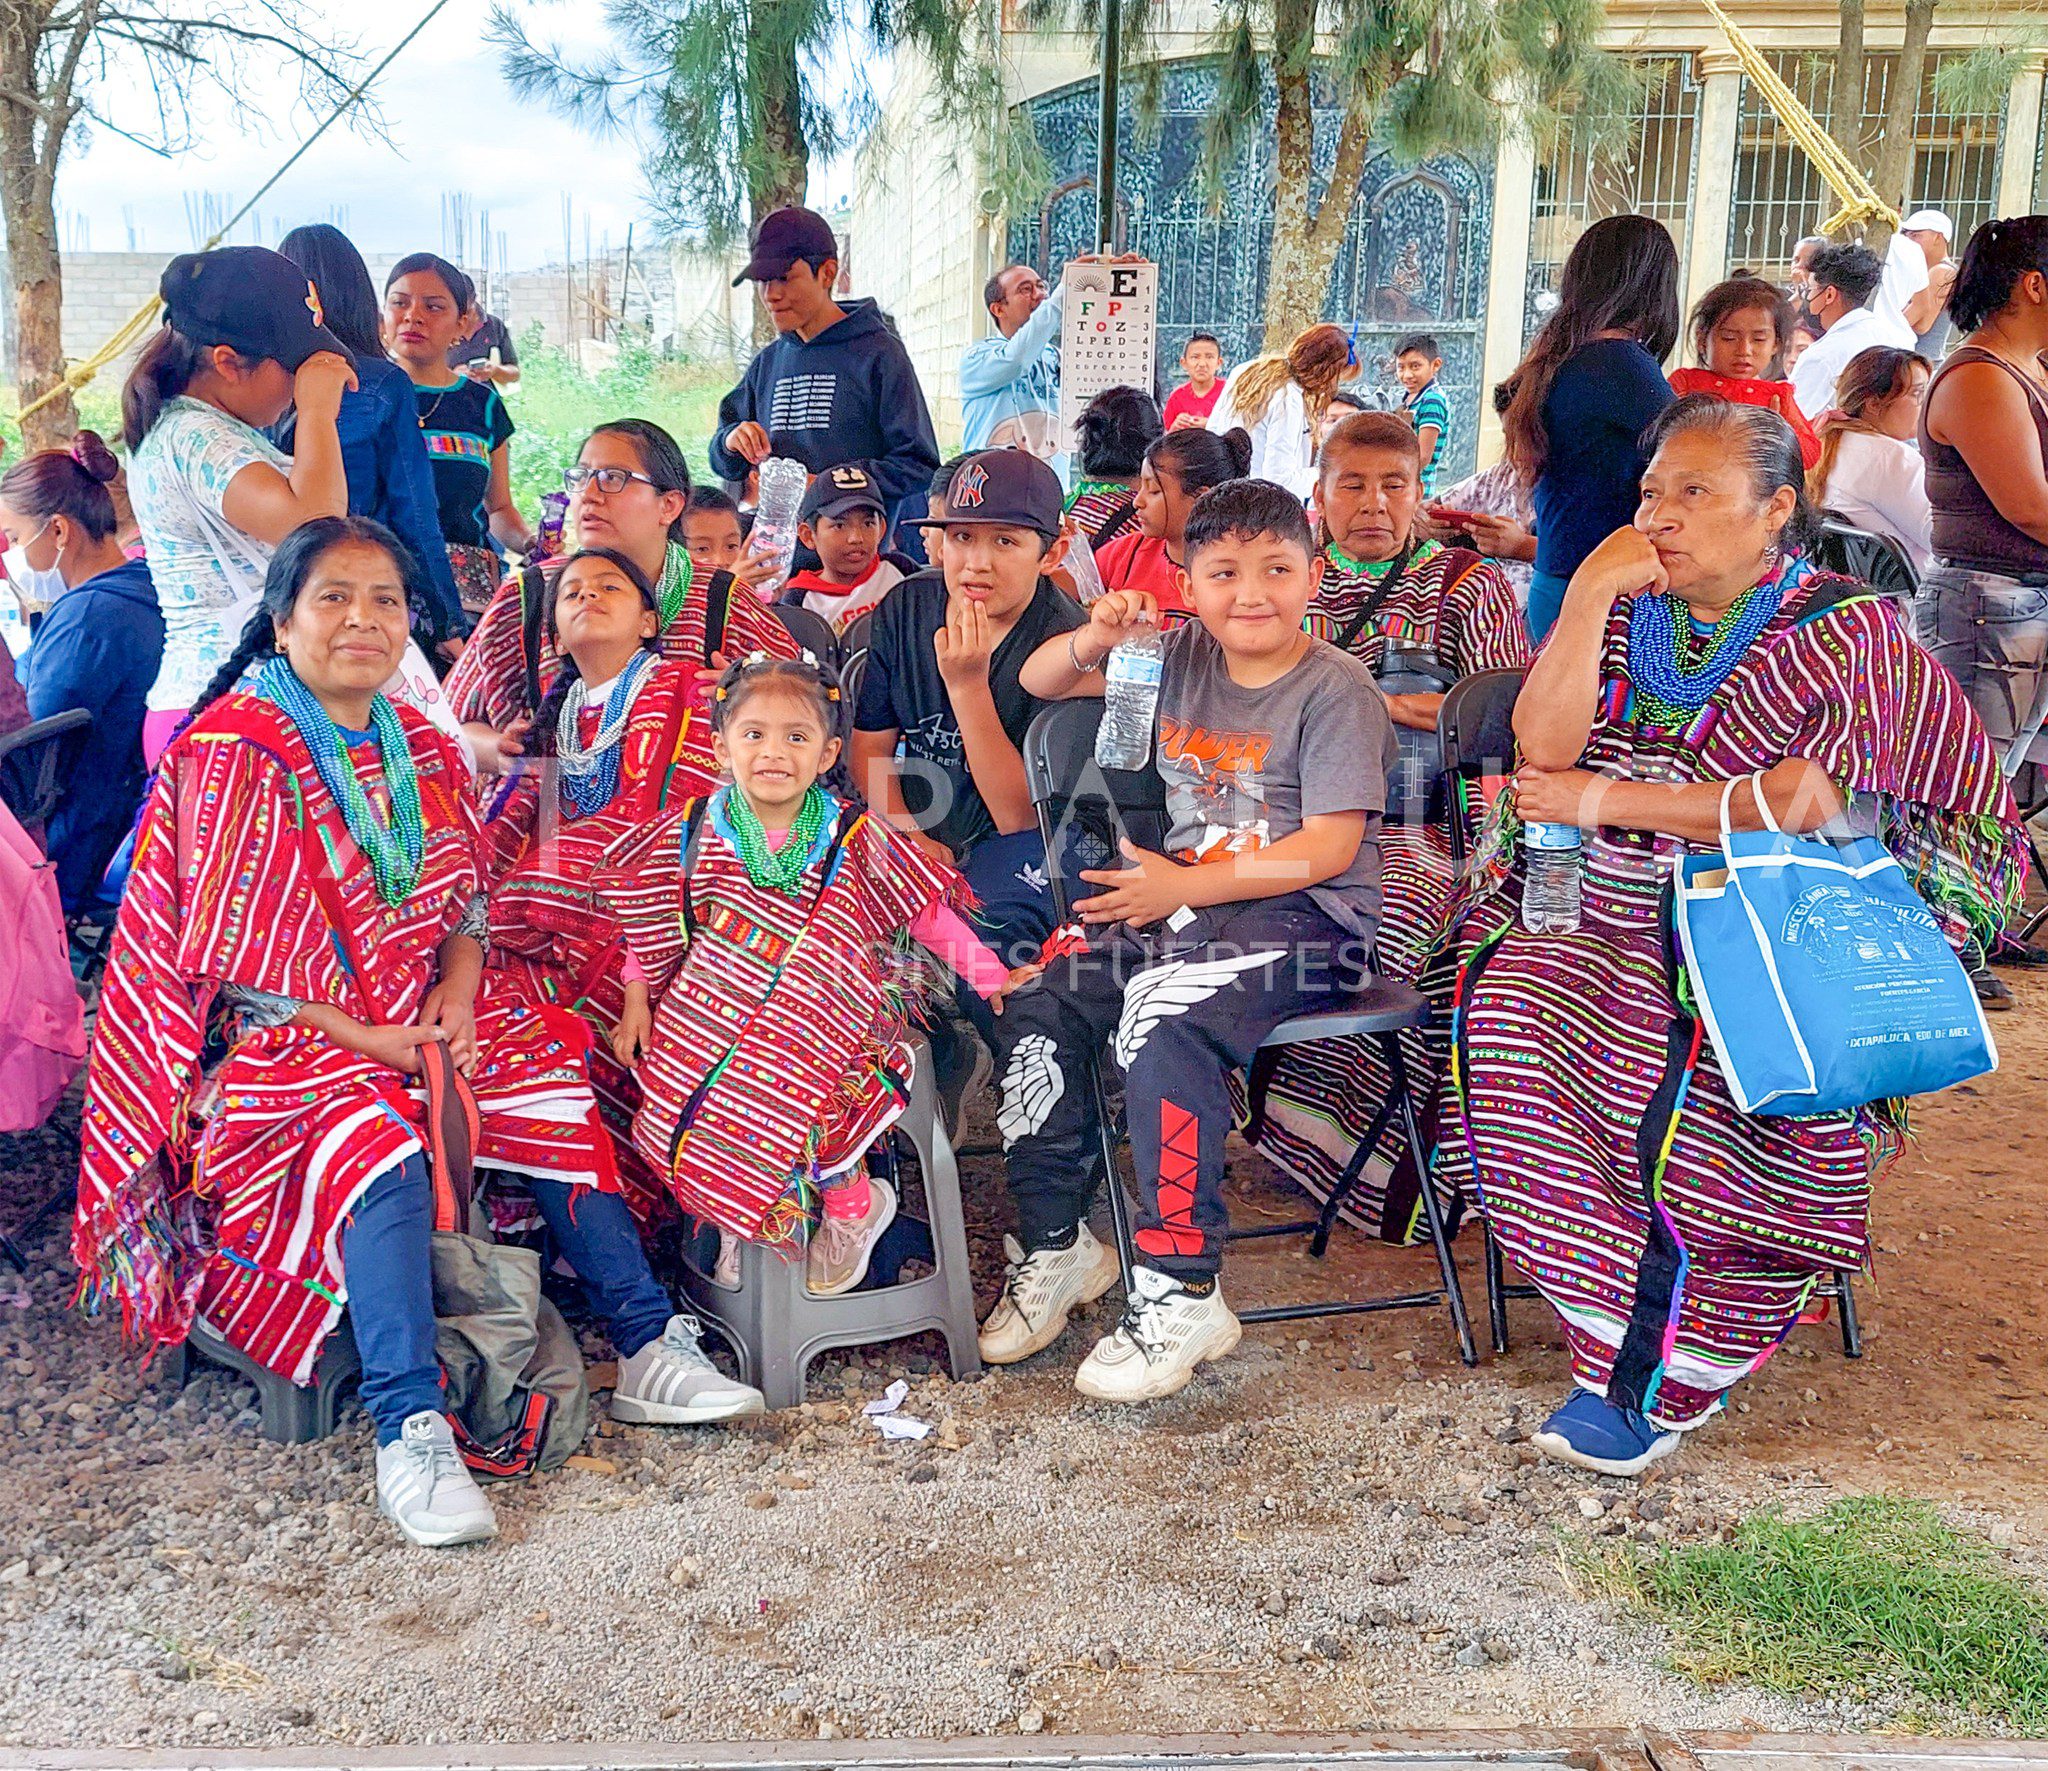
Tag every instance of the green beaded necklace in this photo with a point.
(775, 870)
(674, 586)
(1373, 569)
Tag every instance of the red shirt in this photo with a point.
(1184, 399)
(1775, 396)
(1138, 561)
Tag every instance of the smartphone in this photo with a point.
(1457, 519)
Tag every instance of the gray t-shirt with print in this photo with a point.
(1243, 767)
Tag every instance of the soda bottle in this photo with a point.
(774, 533)
(1130, 700)
(1554, 886)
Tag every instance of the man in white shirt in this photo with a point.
(1844, 278)
(1010, 384)
(1932, 235)
(1901, 291)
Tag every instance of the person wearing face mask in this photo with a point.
(242, 341)
(98, 648)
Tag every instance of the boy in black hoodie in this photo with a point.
(836, 386)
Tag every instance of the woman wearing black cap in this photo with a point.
(242, 342)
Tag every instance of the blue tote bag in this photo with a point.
(1823, 979)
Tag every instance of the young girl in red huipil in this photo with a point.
(1739, 333)
(765, 1012)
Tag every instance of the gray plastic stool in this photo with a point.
(774, 1325)
(292, 1414)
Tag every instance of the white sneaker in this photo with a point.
(426, 1490)
(1040, 1290)
(1166, 1332)
(671, 1382)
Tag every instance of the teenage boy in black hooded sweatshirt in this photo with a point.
(836, 386)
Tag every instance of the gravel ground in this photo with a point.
(1339, 1527)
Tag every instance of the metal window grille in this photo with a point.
(1649, 170)
(1779, 196)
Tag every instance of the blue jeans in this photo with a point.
(595, 1233)
(1546, 598)
(387, 1266)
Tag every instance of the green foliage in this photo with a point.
(1876, 1599)
(556, 406)
(99, 408)
(731, 99)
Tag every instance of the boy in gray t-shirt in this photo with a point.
(1274, 748)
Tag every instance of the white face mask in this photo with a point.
(39, 586)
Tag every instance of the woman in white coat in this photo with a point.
(1280, 402)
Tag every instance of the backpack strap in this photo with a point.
(1827, 591)
(533, 606)
(717, 612)
(1127, 518)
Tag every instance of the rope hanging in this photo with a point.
(80, 374)
(1861, 205)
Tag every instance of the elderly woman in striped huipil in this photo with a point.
(1677, 1238)
(306, 892)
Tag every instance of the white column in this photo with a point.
(2020, 149)
(1713, 191)
(1507, 279)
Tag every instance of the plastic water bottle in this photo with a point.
(1130, 700)
(1081, 567)
(774, 533)
(1553, 890)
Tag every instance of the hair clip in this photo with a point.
(832, 693)
(755, 658)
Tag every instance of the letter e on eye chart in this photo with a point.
(1108, 334)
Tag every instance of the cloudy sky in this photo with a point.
(455, 128)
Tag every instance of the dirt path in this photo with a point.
(1340, 1527)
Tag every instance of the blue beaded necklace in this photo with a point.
(590, 772)
(1673, 674)
(394, 851)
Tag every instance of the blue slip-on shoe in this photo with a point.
(1592, 1434)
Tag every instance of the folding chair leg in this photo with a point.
(1496, 1290)
(1112, 1176)
(1852, 1329)
(11, 1250)
(1454, 1296)
(1347, 1182)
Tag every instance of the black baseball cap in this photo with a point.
(250, 298)
(783, 237)
(840, 489)
(1007, 486)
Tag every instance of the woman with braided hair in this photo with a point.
(306, 892)
(766, 1014)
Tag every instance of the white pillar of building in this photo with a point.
(1507, 279)
(2020, 149)
(1713, 191)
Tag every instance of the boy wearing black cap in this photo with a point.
(842, 520)
(941, 715)
(835, 386)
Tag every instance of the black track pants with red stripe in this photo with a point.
(1176, 1012)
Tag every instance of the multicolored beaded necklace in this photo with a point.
(675, 584)
(775, 870)
(395, 851)
(590, 772)
(1675, 671)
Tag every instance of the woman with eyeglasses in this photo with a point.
(429, 306)
(627, 493)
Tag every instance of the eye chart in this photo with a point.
(1108, 334)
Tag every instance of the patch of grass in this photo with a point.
(556, 404)
(1876, 1599)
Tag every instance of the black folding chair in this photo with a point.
(1476, 726)
(853, 655)
(1878, 560)
(811, 631)
(36, 762)
(1082, 809)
